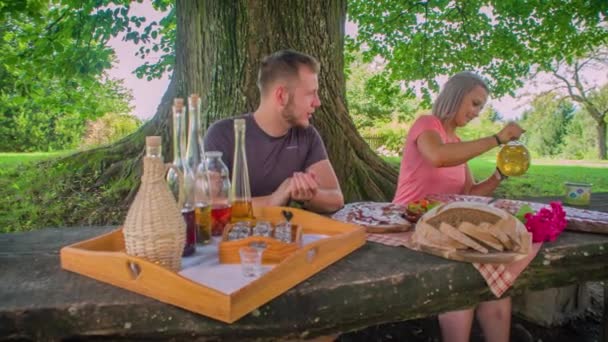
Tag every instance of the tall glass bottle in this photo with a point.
(194, 151)
(185, 192)
(196, 161)
(240, 193)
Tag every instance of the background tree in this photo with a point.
(547, 121)
(570, 81)
(502, 40)
(487, 123)
(580, 141)
(219, 44)
(52, 76)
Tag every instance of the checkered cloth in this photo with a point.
(499, 277)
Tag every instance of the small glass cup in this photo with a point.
(233, 235)
(242, 229)
(282, 232)
(262, 228)
(251, 261)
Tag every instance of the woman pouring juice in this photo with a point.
(435, 161)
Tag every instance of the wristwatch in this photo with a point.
(499, 175)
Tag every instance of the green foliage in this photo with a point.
(109, 128)
(484, 125)
(157, 37)
(581, 138)
(389, 138)
(499, 39)
(52, 72)
(547, 123)
(371, 100)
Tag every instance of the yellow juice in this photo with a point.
(513, 159)
(242, 211)
(202, 217)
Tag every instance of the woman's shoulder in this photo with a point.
(427, 121)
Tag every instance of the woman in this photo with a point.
(435, 161)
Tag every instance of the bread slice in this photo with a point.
(460, 237)
(431, 235)
(481, 235)
(508, 227)
(499, 234)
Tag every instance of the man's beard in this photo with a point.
(290, 116)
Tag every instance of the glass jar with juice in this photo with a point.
(218, 181)
(513, 159)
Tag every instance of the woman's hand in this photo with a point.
(511, 131)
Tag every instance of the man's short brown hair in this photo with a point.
(283, 64)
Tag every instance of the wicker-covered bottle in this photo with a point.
(154, 228)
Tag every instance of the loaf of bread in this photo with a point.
(477, 227)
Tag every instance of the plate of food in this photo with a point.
(472, 232)
(376, 217)
(414, 210)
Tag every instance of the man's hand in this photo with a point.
(303, 186)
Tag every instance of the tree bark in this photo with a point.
(218, 50)
(600, 119)
(601, 139)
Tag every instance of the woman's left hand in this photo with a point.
(511, 131)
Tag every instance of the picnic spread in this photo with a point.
(374, 283)
(197, 230)
(499, 257)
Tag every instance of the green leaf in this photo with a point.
(521, 213)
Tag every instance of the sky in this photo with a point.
(147, 94)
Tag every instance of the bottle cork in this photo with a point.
(153, 141)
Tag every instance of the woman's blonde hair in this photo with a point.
(450, 98)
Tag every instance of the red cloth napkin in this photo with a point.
(499, 277)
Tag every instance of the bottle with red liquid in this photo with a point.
(184, 192)
(218, 180)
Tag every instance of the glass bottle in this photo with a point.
(183, 192)
(240, 194)
(195, 153)
(219, 190)
(202, 207)
(513, 159)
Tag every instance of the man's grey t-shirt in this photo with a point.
(270, 160)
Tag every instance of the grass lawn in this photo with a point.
(34, 196)
(544, 178)
(12, 159)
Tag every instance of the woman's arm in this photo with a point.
(483, 188)
(441, 154)
(451, 154)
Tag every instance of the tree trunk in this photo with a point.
(218, 50)
(601, 139)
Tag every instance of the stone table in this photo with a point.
(373, 285)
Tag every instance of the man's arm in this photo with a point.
(328, 197)
(280, 197)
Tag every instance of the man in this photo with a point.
(286, 157)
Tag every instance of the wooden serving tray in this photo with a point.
(103, 258)
(275, 251)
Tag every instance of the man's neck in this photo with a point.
(270, 121)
